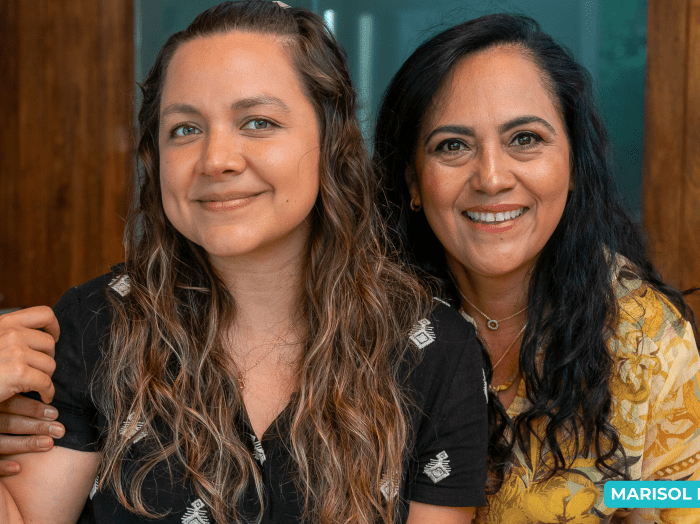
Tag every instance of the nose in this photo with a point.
(492, 173)
(222, 154)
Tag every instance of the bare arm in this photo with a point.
(53, 487)
(26, 361)
(419, 513)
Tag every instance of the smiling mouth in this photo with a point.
(494, 218)
(227, 202)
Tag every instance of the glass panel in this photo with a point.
(608, 37)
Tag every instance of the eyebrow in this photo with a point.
(179, 109)
(503, 128)
(261, 100)
(243, 103)
(523, 120)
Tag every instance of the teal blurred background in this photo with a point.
(607, 36)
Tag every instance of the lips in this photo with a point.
(228, 196)
(227, 201)
(493, 215)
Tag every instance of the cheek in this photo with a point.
(439, 193)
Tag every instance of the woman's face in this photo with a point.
(492, 164)
(239, 147)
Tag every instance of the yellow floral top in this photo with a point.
(656, 409)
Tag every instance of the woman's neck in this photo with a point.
(267, 290)
(498, 296)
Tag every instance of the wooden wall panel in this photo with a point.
(690, 242)
(663, 127)
(671, 181)
(9, 143)
(66, 147)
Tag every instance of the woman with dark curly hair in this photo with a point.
(497, 172)
(261, 355)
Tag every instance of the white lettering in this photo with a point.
(685, 495)
(670, 493)
(633, 494)
(621, 494)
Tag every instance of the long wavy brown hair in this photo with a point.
(167, 365)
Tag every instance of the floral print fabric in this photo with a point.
(656, 409)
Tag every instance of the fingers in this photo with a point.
(19, 425)
(16, 332)
(11, 444)
(26, 354)
(28, 407)
(20, 376)
(34, 422)
(39, 317)
(8, 468)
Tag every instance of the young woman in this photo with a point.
(496, 164)
(260, 356)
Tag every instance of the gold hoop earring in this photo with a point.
(415, 207)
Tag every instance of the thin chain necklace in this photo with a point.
(244, 372)
(492, 324)
(509, 381)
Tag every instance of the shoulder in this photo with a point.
(449, 350)
(445, 332)
(649, 332)
(84, 311)
(92, 293)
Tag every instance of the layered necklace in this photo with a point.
(493, 326)
(491, 323)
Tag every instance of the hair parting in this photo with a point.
(167, 366)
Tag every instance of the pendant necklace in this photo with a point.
(491, 322)
(509, 381)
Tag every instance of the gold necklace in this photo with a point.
(492, 323)
(243, 373)
(509, 347)
(509, 381)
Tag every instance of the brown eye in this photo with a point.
(526, 140)
(451, 146)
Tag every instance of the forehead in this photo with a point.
(229, 66)
(499, 83)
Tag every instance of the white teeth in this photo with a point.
(495, 217)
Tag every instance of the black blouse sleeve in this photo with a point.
(83, 316)
(452, 424)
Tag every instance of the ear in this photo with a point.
(412, 184)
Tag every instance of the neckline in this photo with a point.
(520, 396)
(275, 429)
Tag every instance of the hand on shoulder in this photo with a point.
(26, 364)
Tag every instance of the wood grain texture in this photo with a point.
(66, 146)
(671, 181)
(664, 112)
(690, 242)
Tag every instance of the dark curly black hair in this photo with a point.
(570, 296)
